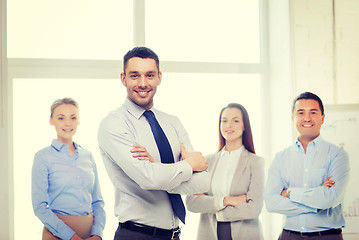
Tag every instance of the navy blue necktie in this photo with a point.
(166, 154)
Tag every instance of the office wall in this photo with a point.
(6, 203)
(325, 47)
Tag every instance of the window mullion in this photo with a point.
(139, 23)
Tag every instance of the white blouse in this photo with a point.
(223, 174)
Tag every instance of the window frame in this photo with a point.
(12, 68)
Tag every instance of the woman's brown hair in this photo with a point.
(247, 137)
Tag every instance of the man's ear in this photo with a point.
(123, 79)
(160, 77)
(51, 121)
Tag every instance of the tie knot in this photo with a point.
(149, 114)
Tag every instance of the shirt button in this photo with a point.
(78, 176)
(302, 228)
(306, 170)
(305, 185)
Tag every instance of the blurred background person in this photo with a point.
(66, 194)
(230, 209)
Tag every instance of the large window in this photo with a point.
(209, 52)
(66, 29)
(204, 31)
(33, 97)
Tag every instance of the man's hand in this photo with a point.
(235, 200)
(328, 183)
(284, 193)
(141, 153)
(195, 159)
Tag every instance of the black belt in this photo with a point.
(312, 234)
(152, 231)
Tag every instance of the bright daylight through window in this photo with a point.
(50, 45)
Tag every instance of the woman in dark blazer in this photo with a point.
(230, 209)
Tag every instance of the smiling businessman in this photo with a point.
(306, 181)
(144, 152)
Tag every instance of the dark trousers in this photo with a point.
(224, 231)
(125, 234)
(286, 235)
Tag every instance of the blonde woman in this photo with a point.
(66, 193)
(230, 209)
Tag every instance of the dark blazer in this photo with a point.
(248, 179)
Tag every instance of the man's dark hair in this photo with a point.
(141, 52)
(309, 95)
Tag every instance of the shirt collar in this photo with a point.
(316, 141)
(236, 152)
(134, 109)
(59, 145)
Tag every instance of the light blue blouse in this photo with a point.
(66, 185)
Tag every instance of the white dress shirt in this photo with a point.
(140, 186)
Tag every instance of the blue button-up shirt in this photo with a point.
(66, 185)
(311, 207)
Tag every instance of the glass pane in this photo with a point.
(32, 132)
(195, 98)
(204, 31)
(198, 98)
(67, 29)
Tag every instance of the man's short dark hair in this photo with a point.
(141, 52)
(309, 95)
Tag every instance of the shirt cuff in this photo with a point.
(296, 194)
(220, 203)
(96, 235)
(186, 169)
(97, 232)
(220, 217)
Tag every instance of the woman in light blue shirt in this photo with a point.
(66, 193)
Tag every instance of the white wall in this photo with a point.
(6, 196)
(281, 94)
(325, 40)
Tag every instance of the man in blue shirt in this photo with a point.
(306, 181)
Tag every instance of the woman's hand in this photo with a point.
(76, 237)
(200, 194)
(235, 200)
(95, 237)
(141, 153)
